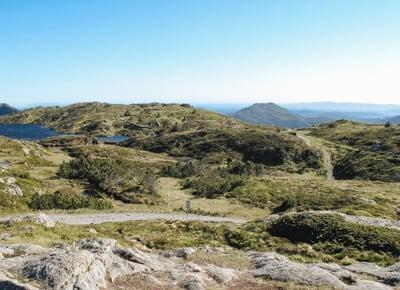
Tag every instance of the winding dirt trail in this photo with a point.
(326, 155)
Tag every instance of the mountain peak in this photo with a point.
(271, 114)
(6, 109)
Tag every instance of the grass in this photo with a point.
(333, 235)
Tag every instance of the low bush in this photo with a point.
(214, 182)
(60, 200)
(111, 176)
(183, 169)
(331, 228)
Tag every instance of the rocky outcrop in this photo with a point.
(277, 267)
(93, 263)
(10, 185)
(38, 218)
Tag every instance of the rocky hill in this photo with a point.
(271, 114)
(6, 109)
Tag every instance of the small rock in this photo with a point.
(92, 231)
(5, 236)
(151, 280)
(181, 253)
(189, 267)
(191, 282)
(39, 218)
(220, 275)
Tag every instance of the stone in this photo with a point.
(181, 253)
(5, 236)
(279, 268)
(38, 218)
(191, 282)
(11, 187)
(220, 275)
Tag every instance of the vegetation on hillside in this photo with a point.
(59, 200)
(333, 229)
(118, 178)
(178, 130)
(372, 151)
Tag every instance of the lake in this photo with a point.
(31, 132)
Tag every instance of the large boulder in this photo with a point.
(279, 268)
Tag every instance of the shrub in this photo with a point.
(331, 228)
(60, 200)
(111, 176)
(183, 169)
(214, 182)
(245, 168)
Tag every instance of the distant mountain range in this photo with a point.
(6, 109)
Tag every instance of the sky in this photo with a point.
(199, 51)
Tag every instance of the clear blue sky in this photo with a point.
(199, 51)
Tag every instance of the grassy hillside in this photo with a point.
(107, 119)
(178, 130)
(364, 151)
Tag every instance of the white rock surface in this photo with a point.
(38, 218)
(11, 186)
(89, 263)
(277, 267)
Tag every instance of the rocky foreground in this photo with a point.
(98, 263)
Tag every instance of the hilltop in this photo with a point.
(271, 114)
(6, 109)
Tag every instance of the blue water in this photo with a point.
(32, 132)
(113, 139)
(26, 132)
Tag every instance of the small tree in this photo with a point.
(388, 124)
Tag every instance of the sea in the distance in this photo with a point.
(32, 132)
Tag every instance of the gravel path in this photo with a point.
(98, 218)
